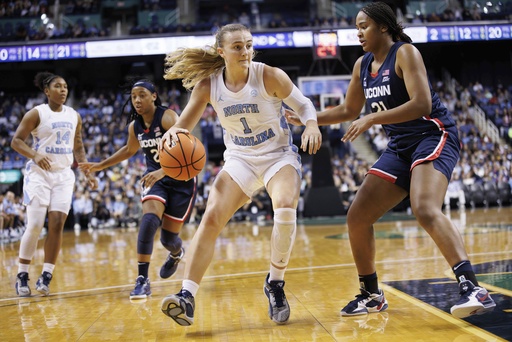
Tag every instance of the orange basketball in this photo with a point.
(184, 159)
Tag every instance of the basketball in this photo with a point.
(184, 159)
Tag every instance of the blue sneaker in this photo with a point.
(180, 307)
(365, 303)
(142, 288)
(474, 300)
(43, 283)
(22, 288)
(278, 308)
(171, 264)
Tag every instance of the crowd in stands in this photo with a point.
(12, 216)
(35, 20)
(453, 11)
(41, 11)
(116, 202)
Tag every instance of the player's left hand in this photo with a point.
(311, 140)
(356, 128)
(151, 178)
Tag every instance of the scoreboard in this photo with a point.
(42, 52)
(325, 44)
(466, 33)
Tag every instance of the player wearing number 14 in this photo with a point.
(49, 182)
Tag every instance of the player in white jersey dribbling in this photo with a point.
(248, 98)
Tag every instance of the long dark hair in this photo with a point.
(128, 86)
(382, 14)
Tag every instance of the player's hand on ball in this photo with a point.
(171, 136)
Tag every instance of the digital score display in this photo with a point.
(42, 52)
(325, 45)
(468, 33)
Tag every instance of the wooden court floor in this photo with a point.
(89, 298)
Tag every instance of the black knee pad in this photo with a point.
(148, 226)
(171, 241)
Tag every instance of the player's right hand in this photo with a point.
(88, 167)
(170, 136)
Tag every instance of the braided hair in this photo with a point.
(138, 82)
(382, 14)
(43, 79)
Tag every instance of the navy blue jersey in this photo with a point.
(386, 90)
(149, 139)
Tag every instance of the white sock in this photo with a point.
(48, 268)
(23, 268)
(190, 286)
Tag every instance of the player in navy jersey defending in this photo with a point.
(164, 200)
(418, 162)
(248, 99)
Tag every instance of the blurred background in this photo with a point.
(97, 45)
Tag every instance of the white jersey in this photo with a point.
(253, 121)
(54, 137)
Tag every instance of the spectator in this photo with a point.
(82, 209)
(244, 19)
(9, 211)
(455, 190)
(103, 208)
(133, 214)
(118, 210)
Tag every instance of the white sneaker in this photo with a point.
(474, 300)
(22, 288)
(365, 303)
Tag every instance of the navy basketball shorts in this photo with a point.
(177, 196)
(402, 155)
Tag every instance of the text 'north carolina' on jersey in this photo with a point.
(253, 121)
(149, 139)
(386, 90)
(54, 137)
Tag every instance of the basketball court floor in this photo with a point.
(89, 299)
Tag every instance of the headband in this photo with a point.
(146, 85)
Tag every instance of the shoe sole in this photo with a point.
(373, 309)
(464, 312)
(359, 313)
(144, 296)
(21, 294)
(174, 310)
(44, 291)
(345, 314)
